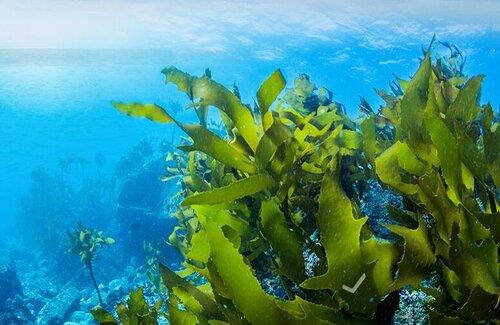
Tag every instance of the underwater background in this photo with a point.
(67, 156)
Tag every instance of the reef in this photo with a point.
(43, 283)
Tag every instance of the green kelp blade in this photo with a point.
(180, 317)
(223, 217)
(340, 236)
(466, 106)
(139, 311)
(476, 265)
(389, 171)
(418, 256)
(103, 317)
(285, 242)
(414, 102)
(236, 190)
(171, 280)
(491, 140)
(124, 314)
(385, 255)
(371, 145)
(256, 306)
(274, 137)
(269, 91)
(211, 144)
(181, 79)
(311, 313)
(492, 222)
(480, 305)
(152, 112)
(436, 318)
(214, 94)
(447, 148)
(433, 195)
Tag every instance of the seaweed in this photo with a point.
(135, 311)
(86, 243)
(283, 187)
(438, 161)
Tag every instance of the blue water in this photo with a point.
(66, 155)
(55, 107)
(56, 103)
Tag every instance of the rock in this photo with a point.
(413, 307)
(116, 284)
(58, 309)
(81, 317)
(130, 271)
(15, 311)
(117, 290)
(10, 286)
(49, 292)
(374, 203)
(37, 301)
(93, 300)
(13, 307)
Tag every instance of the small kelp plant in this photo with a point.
(135, 311)
(270, 224)
(86, 243)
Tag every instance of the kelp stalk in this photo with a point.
(89, 266)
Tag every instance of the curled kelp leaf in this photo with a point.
(269, 91)
(211, 93)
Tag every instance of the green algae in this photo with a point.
(255, 199)
(86, 243)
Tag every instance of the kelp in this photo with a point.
(135, 311)
(86, 243)
(282, 189)
(444, 129)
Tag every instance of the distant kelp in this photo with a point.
(293, 168)
(86, 243)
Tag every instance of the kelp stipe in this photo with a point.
(276, 199)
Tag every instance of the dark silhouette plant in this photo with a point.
(86, 243)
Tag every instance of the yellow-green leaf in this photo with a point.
(269, 90)
(286, 242)
(214, 94)
(236, 190)
(211, 144)
(152, 112)
(418, 256)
